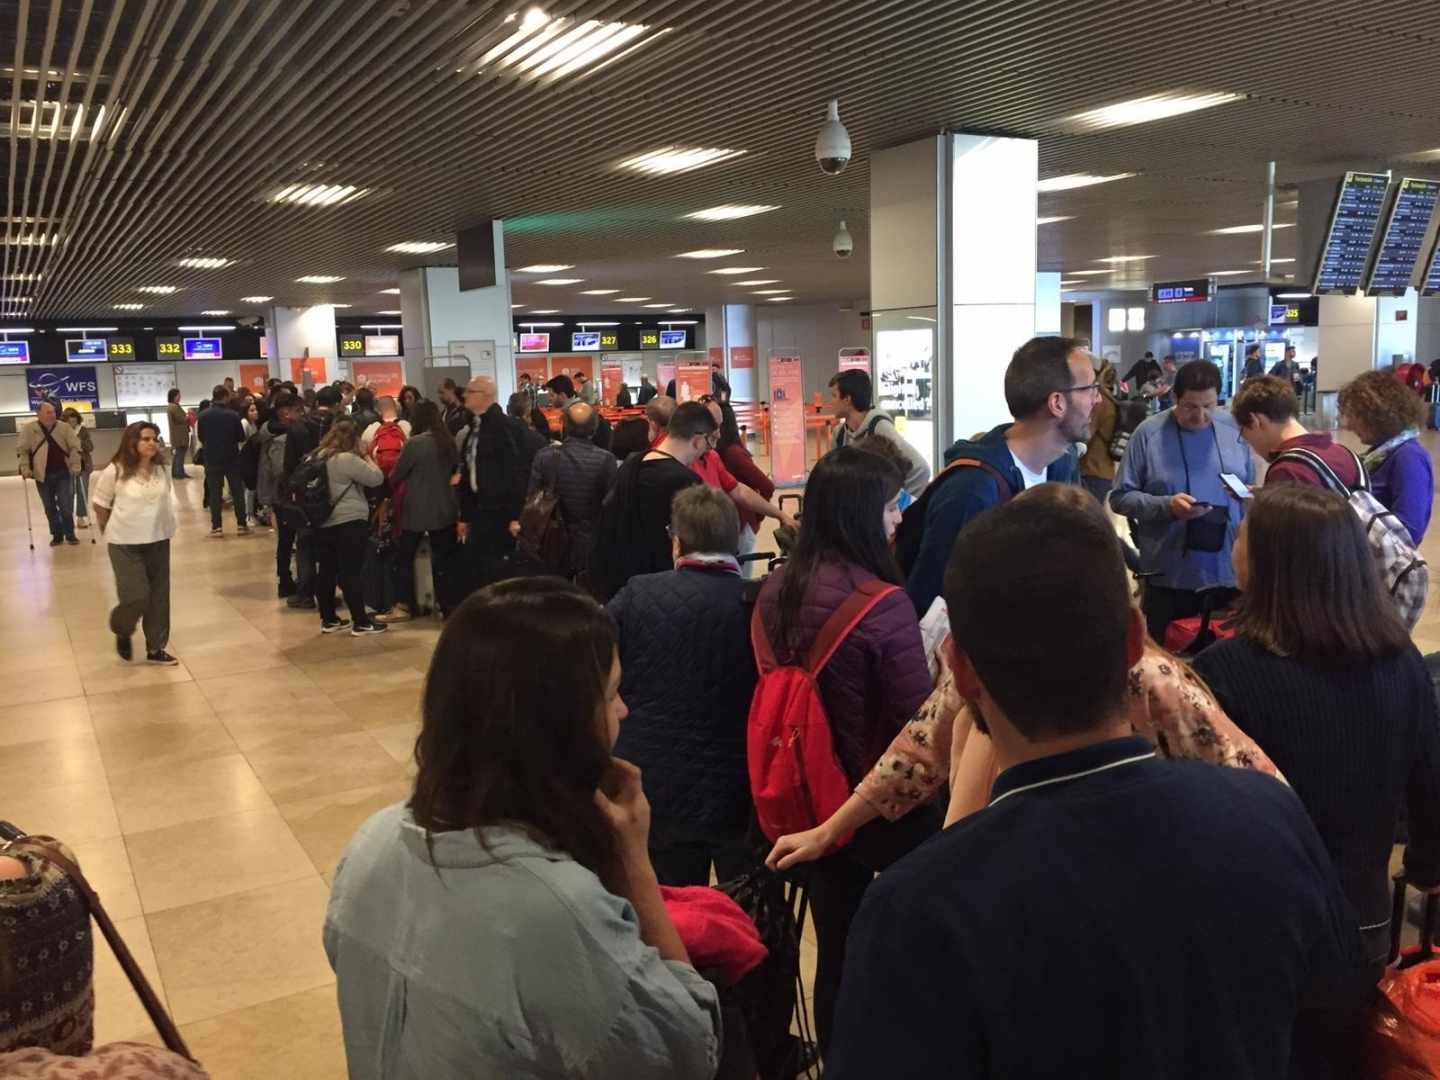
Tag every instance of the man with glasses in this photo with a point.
(711, 469)
(1050, 389)
(1182, 514)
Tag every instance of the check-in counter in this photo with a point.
(105, 433)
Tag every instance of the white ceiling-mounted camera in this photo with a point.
(843, 243)
(832, 145)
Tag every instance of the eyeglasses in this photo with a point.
(1089, 388)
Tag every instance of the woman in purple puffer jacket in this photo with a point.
(1388, 416)
(875, 681)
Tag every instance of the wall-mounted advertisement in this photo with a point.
(74, 387)
(787, 419)
(385, 377)
(855, 360)
(692, 382)
(904, 368)
(612, 374)
(254, 376)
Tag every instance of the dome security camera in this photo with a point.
(832, 145)
(843, 243)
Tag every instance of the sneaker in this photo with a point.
(368, 628)
(123, 647)
(284, 589)
(307, 603)
(333, 627)
(82, 523)
(243, 530)
(217, 534)
(160, 656)
(399, 613)
(72, 540)
(56, 541)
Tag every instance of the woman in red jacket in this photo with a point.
(875, 680)
(737, 459)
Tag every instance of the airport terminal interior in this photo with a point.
(612, 227)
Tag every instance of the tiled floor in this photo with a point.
(210, 802)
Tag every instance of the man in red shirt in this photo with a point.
(1266, 411)
(712, 470)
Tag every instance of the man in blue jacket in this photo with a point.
(1051, 390)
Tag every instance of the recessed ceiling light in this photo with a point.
(341, 305)
(1261, 262)
(1074, 282)
(559, 281)
(729, 213)
(514, 306)
(30, 239)
(1125, 258)
(1423, 155)
(1237, 230)
(598, 292)
(1143, 110)
(770, 292)
(736, 270)
(549, 49)
(533, 325)
(1070, 181)
(319, 279)
(709, 253)
(758, 281)
(85, 329)
(545, 268)
(22, 277)
(546, 311)
(317, 194)
(419, 247)
(1053, 220)
(599, 324)
(1228, 273)
(214, 311)
(205, 262)
(390, 311)
(779, 299)
(679, 322)
(659, 305)
(676, 159)
(16, 300)
(389, 292)
(128, 307)
(206, 329)
(1086, 273)
(630, 299)
(256, 299)
(1293, 295)
(158, 290)
(17, 329)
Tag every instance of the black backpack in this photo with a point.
(305, 499)
(911, 531)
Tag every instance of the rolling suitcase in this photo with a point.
(424, 579)
(1404, 1037)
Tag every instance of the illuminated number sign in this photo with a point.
(168, 348)
(649, 339)
(121, 348)
(352, 345)
(610, 340)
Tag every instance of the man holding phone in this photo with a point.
(1267, 411)
(1182, 515)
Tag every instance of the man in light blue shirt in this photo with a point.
(1183, 517)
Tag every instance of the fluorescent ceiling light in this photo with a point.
(545, 268)
(17, 330)
(532, 325)
(709, 253)
(342, 305)
(316, 194)
(736, 270)
(1260, 262)
(630, 299)
(215, 311)
(1053, 220)
(547, 311)
(381, 326)
(514, 306)
(419, 247)
(1424, 155)
(779, 299)
(758, 281)
(1144, 110)
(158, 290)
(207, 329)
(1228, 273)
(549, 49)
(16, 300)
(598, 292)
(84, 329)
(659, 305)
(1076, 282)
(676, 159)
(255, 299)
(389, 292)
(729, 212)
(559, 281)
(22, 277)
(1070, 181)
(771, 292)
(598, 324)
(1293, 295)
(390, 311)
(1237, 230)
(1086, 273)
(205, 262)
(128, 307)
(319, 279)
(30, 239)
(1125, 258)
(679, 322)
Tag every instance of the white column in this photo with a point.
(1397, 325)
(298, 329)
(1427, 331)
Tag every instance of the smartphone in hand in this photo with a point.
(1235, 485)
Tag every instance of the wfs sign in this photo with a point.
(71, 385)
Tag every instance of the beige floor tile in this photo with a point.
(37, 660)
(122, 676)
(301, 769)
(211, 661)
(398, 740)
(163, 795)
(204, 860)
(380, 708)
(150, 739)
(305, 719)
(232, 694)
(242, 950)
(46, 763)
(106, 864)
(119, 1016)
(297, 1036)
(142, 705)
(325, 824)
(74, 813)
(57, 683)
(56, 720)
(382, 670)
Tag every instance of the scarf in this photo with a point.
(1376, 455)
(705, 560)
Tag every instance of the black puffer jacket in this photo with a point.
(687, 677)
(580, 473)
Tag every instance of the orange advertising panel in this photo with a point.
(717, 355)
(534, 366)
(254, 376)
(314, 365)
(692, 382)
(382, 376)
(611, 376)
(787, 420)
(570, 363)
(665, 372)
(742, 357)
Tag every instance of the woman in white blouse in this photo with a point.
(135, 509)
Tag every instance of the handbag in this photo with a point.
(544, 533)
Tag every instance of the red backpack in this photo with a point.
(386, 446)
(795, 778)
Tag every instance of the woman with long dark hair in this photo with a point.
(506, 920)
(340, 543)
(135, 510)
(408, 398)
(736, 456)
(875, 680)
(427, 507)
(1323, 676)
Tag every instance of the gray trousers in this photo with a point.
(142, 582)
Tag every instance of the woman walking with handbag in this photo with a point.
(135, 510)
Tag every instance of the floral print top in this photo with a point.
(1168, 704)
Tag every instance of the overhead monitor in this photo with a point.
(14, 352)
(202, 348)
(672, 339)
(1351, 236)
(534, 342)
(382, 345)
(475, 252)
(1196, 291)
(1430, 286)
(585, 341)
(86, 350)
(1404, 236)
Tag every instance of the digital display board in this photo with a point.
(14, 352)
(585, 341)
(85, 350)
(610, 340)
(168, 348)
(1346, 254)
(202, 348)
(1284, 314)
(672, 339)
(1404, 236)
(121, 348)
(1197, 291)
(382, 345)
(1431, 285)
(534, 342)
(649, 339)
(352, 345)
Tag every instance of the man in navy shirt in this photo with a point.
(1109, 914)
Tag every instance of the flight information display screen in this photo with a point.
(202, 348)
(585, 341)
(672, 339)
(1431, 285)
(86, 350)
(1346, 255)
(14, 352)
(1404, 236)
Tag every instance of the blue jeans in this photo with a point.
(177, 462)
(57, 495)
